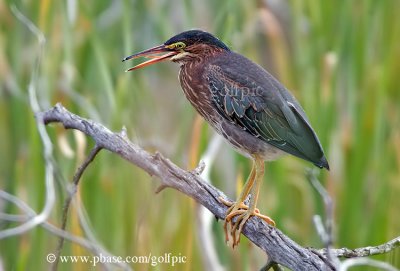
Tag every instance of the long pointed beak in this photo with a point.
(152, 53)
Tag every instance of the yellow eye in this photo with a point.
(179, 45)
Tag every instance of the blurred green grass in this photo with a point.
(340, 59)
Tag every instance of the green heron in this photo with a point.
(243, 103)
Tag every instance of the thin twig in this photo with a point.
(29, 213)
(364, 251)
(325, 230)
(47, 145)
(326, 234)
(273, 265)
(71, 194)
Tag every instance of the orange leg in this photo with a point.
(241, 210)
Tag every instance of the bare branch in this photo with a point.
(280, 248)
(325, 231)
(326, 234)
(364, 251)
(269, 265)
(47, 145)
(68, 200)
(29, 213)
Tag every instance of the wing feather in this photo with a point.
(259, 104)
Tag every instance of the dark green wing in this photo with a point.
(245, 94)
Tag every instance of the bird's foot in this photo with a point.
(244, 213)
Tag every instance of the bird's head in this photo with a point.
(182, 48)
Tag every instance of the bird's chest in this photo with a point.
(197, 91)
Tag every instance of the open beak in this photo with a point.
(153, 54)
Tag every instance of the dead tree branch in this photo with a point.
(68, 201)
(280, 248)
(364, 251)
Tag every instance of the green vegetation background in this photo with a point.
(339, 58)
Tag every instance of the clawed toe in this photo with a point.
(242, 213)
